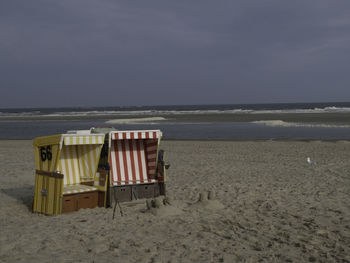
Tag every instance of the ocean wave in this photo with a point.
(280, 123)
(150, 112)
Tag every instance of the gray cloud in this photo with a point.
(95, 53)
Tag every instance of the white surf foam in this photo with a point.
(135, 120)
(280, 123)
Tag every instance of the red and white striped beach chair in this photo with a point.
(133, 157)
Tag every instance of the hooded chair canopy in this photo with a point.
(133, 156)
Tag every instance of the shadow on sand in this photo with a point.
(22, 194)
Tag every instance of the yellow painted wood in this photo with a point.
(47, 140)
(58, 197)
(51, 203)
(35, 193)
(50, 195)
(61, 197)
(43, 198)
(37, 197)
(80, 158)
(47, 165)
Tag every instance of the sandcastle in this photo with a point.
(162, 206)
(208, 200)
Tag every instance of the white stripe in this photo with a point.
(150, 156)
(84, 165)
(128, 160)
(137, 171)
(143, 135)
(152, 164)
(95, 160)
(63, 166)
(93, 140)
(136, 135)
(89, 173)
(90, 149)
(76, 174)
(128, 135)
(70, 170)
(150, 134)
(74, 140)
(143, 161)
(121, 161)
(152, 171)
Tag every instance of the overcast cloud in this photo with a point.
(117, 53)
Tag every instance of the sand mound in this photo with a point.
(162, 206)
(207, 200)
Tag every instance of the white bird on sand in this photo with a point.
(308, 160)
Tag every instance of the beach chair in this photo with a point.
(131, 158)
(66, 173)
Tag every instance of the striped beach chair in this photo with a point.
(133, 163)
(133, 157)
(66, 167)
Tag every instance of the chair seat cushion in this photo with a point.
(78, 188)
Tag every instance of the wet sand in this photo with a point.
(269, 205)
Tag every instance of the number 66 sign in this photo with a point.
(45, 153)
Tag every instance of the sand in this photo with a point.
(270, 205)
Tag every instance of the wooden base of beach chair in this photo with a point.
(147, 191)
(126, 193)
(101, 198)
(74, 202)
(122, 193)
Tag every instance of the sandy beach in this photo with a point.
(270, 205)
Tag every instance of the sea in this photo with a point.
(283, 121)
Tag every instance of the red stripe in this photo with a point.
(131, 135)
(124, 135)
(125, 163)
(117, 161)
(154, 135)
(131, 149)
(152, 159)
(139, 135)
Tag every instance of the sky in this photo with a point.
(132, 53)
